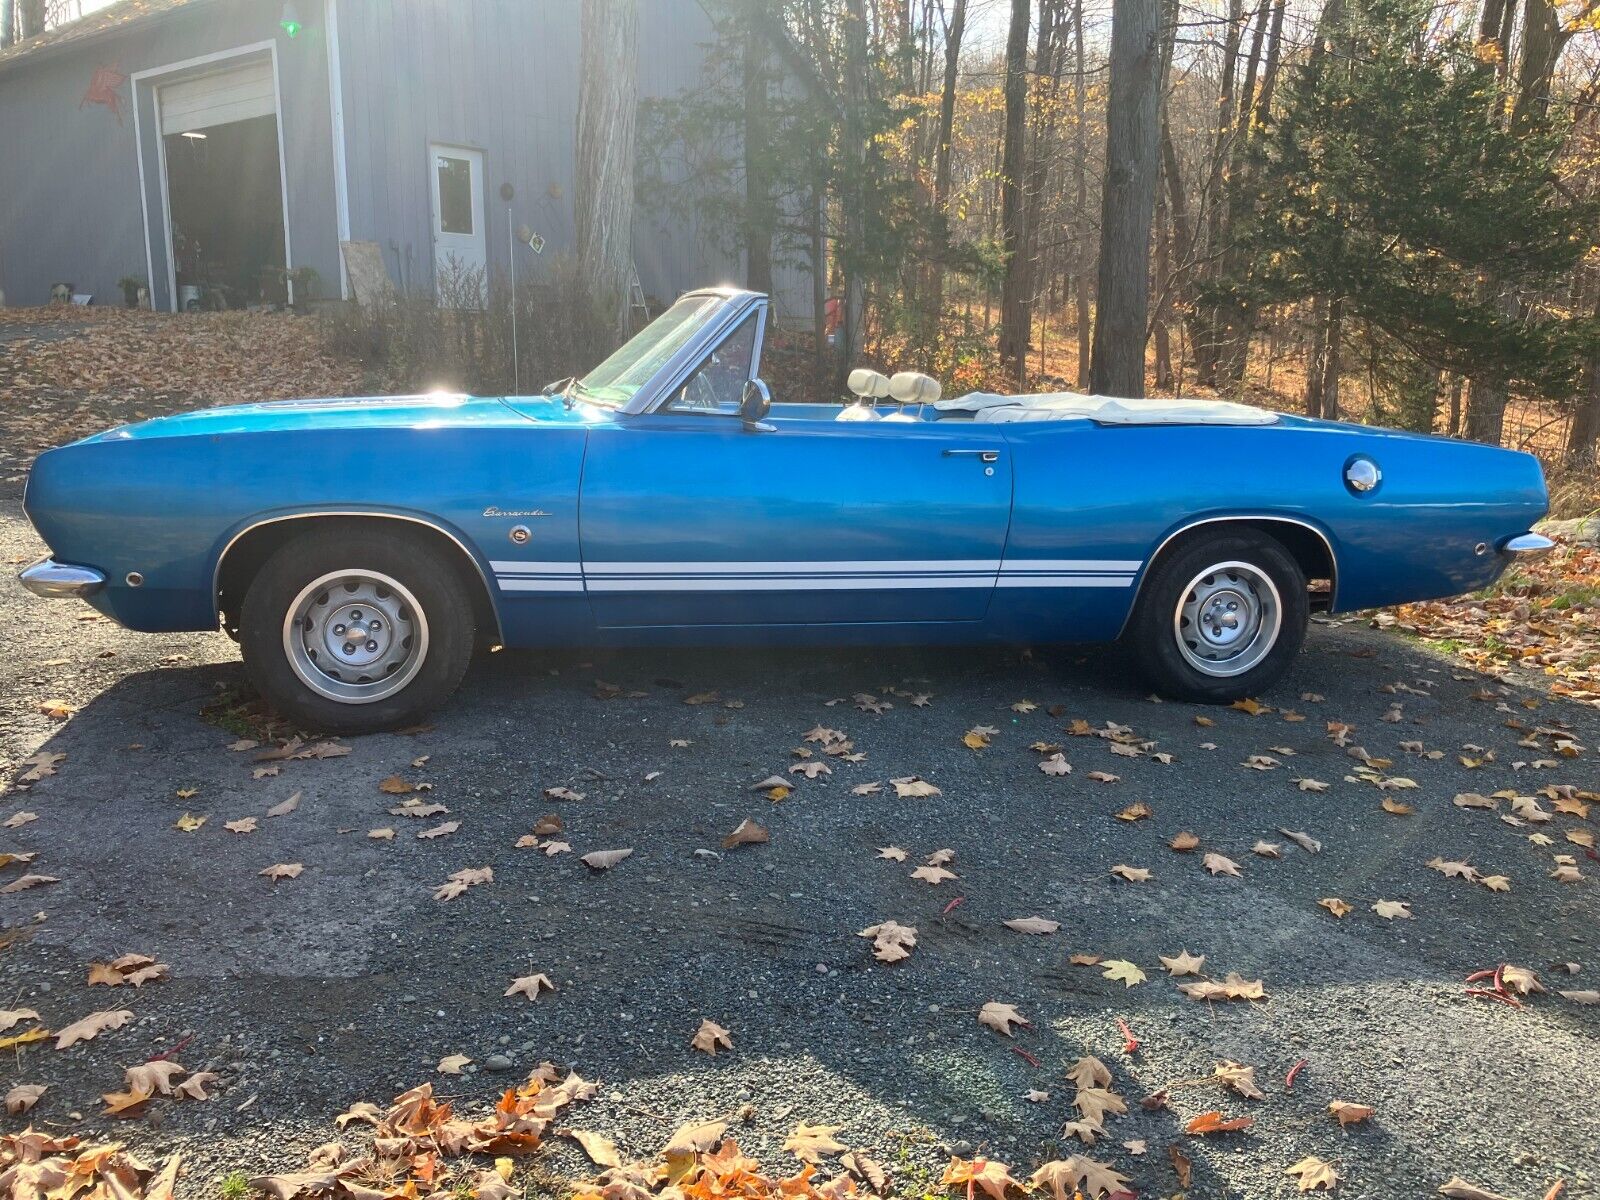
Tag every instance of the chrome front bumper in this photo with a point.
(60, 581)
(1526, 543)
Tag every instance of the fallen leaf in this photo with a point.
(604, 860)
(1239, 1078)
(1314, 1173)
(932, 875)
(602, 1151)
(812, 1143)
(1183, 963)
(530, 986)
(746, 833)
(1212, 1121)
(286, 807)
(1184, 842)
(1336, 906)
(242, 825)
(1393, 909)
(451, 1064)
(1035, 925)
(1123, 971)
(189, 822)
(1001, 1017)
(1218, 865)
(891, 941)
(710, 1036)
(1348, 1112)
(92, 1026)
(24, 1096)
(282, 871)
(1131, 874)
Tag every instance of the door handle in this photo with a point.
(988, 456)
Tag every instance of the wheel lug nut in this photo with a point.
(349, 648)
(338, 629)
(356, 615)
(372, 645)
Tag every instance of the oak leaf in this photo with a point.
(282, 871)
(1131, 874)
(23, 882)
(1184, 842)
(242, 825)
(1218, 865)
(892, 941)
(710, 1036)
(154, 1076)
(1391, 910)
(892, 853)
(1056, 764)
(1336, 906)
(92, 1026)
(932, 875)
(13, 1016)
(125, 1104)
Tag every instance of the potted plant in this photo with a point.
(133, 292)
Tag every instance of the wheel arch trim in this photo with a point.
(438, 527)
(1227, 519)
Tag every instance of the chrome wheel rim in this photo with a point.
(355, 636)
(1227, 619)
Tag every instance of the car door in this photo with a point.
(689, 518)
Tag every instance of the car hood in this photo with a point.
(433, 410)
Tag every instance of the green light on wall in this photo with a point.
(289, 22)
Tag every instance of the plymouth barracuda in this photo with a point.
(360, 549)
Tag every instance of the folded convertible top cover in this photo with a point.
(1106, 410)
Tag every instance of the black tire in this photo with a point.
(1157, 634)
(445, 629)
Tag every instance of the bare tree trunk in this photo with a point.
(1013, 288)
(1116, 360)
(1318, 357)
(1584, 431)
(851, 197)
(608, 105)
(941, 160)
(1329, 384)
(759, 218)
(1080, 172)
(1038, 172)
(819, 285)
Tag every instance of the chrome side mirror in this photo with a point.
(754, 405)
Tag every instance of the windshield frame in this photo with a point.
(735, 304)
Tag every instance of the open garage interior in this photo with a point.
(224, 190)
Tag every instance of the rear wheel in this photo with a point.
(1221, 618)
(349, 634)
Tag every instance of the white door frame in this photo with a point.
(188, 64)
(480, 208)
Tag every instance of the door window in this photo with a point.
(717, 384)
(455, 194)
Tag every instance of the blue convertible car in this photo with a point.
(359, 549)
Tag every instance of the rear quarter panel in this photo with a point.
(1119, 492)
(168, 506)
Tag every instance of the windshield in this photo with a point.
(615, 381)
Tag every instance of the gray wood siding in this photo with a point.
(69, 175)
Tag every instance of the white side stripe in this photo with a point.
(823, 575)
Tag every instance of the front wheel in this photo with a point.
(351, 633)
(1220, 619)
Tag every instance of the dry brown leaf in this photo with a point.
(1001, 1017)
(92, 1026)
(1348, 1112)
(1183, 963)
(1034, 925)
(530, 986)
(1314, 1173)
(24, 1096)
(710, 1036)
(604, 860)
(746, 833)
(1218, 865)
(812, 1143)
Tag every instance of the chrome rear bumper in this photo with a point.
(1526, 543)
(59, 581)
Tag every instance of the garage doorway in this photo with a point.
(223, 188)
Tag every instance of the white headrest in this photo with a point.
(912, 387)
(868, 383)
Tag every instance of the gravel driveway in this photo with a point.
(352, 982)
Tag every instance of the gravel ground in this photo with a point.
(351, 982)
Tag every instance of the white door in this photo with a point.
(460, 262)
